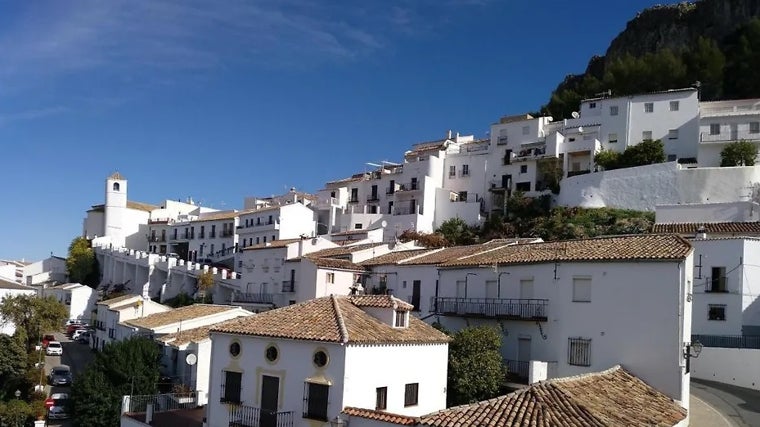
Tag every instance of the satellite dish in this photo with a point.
(191, 359)
(580, 129)
(384, 224)
(575, 114)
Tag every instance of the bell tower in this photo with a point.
(116, 208)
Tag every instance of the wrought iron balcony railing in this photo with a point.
(498, 308)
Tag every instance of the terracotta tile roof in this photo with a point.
(427, 146)
(330, 319)
(440, 256)
(176, 315)
(609, 398)
(7, 284)
(334, 263)
(181, 338)
(139, 206)
(273, 244)
(383, 301)
(119, 300)
(217, 216)
(691, 228)
(401, 420)
(633, 247)
(352, 178)
(394, 257)
(343, 250)
(352, 232)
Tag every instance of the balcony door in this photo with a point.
(461, 289)
(526, 289)
(492, 289)
(523, 356)
(416, 285)
(270, 391)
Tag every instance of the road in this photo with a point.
(77, 356)
(739, 406)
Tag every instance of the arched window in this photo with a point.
(116, 186)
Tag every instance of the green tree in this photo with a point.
(743, 61)
(607, 159)
(15, 413)
(457, 232)
(476, 371)
(81, 263)
(646, 152)
(12, 364)
(33, 315)
(739, 153)
(129, 367)
(205, 284)
(705, 63)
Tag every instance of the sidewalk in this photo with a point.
(704, 415)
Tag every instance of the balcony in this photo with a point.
(228, 233)
(248, 416)
(530, 154)
(390, 190)
(373, 198)
(409, 186)
(288, 286)
(517, 370)
(212, 235)
(353, 200)
(502, 140)
(156, 238)
(99, 325)
(495, 308)
(252, 298)
(727, 135)
(728, 341)
(407, 211)
(165, 409)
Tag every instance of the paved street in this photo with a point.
(715, 404)
(77, 356)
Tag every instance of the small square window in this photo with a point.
(400, 319)
(673, 134)
(716, 312)
(674, 105)
(523, 168)
(579, 352)
(330, 277)
(754, 127)
(462, 196)
(613, 110)
(714, 129)
(581, 289)
(411, 394)
(646, 135)
(613, 138)
(649, 107)
(592, 105)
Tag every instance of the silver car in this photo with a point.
(60, 375)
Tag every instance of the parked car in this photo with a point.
(84, 338)
(46, 339)
(75, 326)
(59, 410)
(54, 348)
(60, 375)
(78, 333)
(73, 322)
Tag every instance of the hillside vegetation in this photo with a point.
(713, 42)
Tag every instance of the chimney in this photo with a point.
(448, 135)
(701, 233)
(537, 371)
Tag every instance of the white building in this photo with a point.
(49, 270)
(11, 289)
(548, 299)
(301, 365)
(724, 122)
(267, 224)
(79, 299)
(109, 313)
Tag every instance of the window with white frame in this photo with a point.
(754, 127)
(646, 135)
(714, 128)
(649, 107)
(400, 319)
(579, 351)
(581, 289)
(613, 138)
(674, 105)
(465, 170)
(614, 110)
(330, 277)
(673, 134)
(452, 171)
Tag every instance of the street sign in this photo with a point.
(49, 402)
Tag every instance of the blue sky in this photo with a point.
(189, 99)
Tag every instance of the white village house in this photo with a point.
(109, 313)
(10, 289)
(79, 299)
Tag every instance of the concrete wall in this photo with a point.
(735, 366)
(712, 212)
(644, 187)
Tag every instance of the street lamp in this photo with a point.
(466, 277)
(691, 350)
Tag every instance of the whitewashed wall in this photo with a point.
(712, 212)
(739, 367)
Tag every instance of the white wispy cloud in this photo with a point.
(9, 118)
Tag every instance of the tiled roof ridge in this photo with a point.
(377, 415)
(430, 252)
(610, 370)
(484, 251)
(339, 319)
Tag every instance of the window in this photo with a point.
(613, 110)
(315, 401)
(411, 392)
(673, 134)
(525, 130)
(400, 319)
(522, 186)
(716, 312)
(579, 352)
(330, 277)
(672, 157)
(358, 226)
(646, 135)
(674, 105)
(452, 171)
(649, 107)
(462, 196)
(718, 280)
(754, 127)
(581, 289)
(592, 105)
(714, 128)
(235, 349)
(523, 168)
(381, 398)
(116, 186)
(612, 138)
(272, 353)
(465, 170)
(231, 386)
(320, 359)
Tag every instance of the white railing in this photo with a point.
(726, 135)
